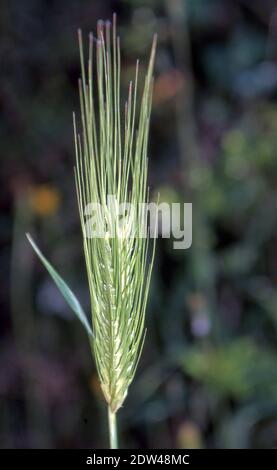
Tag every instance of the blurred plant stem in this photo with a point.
(112, 429)
(186, 125)
(200, 253)
(23, 323)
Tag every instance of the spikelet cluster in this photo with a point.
(111, 159)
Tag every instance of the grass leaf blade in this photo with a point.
(67, 293)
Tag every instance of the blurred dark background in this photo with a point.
(208, 373)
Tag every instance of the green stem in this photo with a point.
(112, 429)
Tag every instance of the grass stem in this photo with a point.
(112, 429)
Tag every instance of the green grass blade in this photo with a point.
(67, 293)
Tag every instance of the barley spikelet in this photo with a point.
(111, 159)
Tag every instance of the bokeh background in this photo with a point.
(208, 374)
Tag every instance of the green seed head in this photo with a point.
(111, 159)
